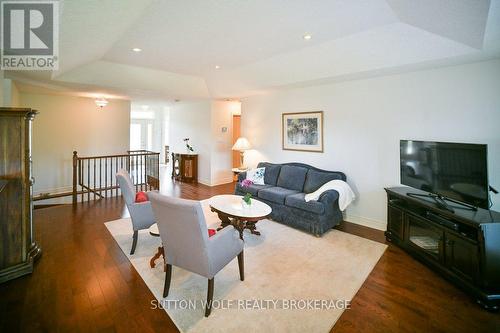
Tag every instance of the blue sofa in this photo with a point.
(285, 188)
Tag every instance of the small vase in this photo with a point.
(245, 205)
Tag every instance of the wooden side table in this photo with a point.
(185, 167)
(236, 172)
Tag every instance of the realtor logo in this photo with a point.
(29, 32)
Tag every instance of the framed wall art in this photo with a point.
(302, 131)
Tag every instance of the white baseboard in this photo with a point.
(366, 222)
(220, 182)
(54, 190)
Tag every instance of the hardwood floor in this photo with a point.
(83, 282)
(403, 295)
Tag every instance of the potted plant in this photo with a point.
(189, 148)
(247, 198)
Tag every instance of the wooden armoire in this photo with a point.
(18, 248)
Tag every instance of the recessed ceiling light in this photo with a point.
(307, 36)
(136, 49)
(217, 67)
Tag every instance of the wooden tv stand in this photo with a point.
(463, 246)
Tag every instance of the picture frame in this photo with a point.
(302, 131)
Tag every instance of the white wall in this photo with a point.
(365, 119)
(15, 100)
(68, 123)
(222, 155)
(202, 122)
(193, 121)
(10, 93)
(1, 87)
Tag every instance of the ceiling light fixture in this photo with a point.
(101, 102)
(217, 67)
(307, 36)
(136, 49)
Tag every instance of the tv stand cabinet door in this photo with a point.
(462, 257)
(395, 223)
(424, 238)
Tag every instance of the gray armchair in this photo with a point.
(183, 231)
(141, 213)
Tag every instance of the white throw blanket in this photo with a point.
(346, 195)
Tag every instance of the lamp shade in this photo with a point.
(242, 144)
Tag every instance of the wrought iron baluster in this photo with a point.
(88, 180)
(93, 187)
(100, 176)
(80, 176)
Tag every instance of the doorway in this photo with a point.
(236, 135)
(149, 125)
(141, 134)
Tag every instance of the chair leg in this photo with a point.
(134, 242)
(241, 266)
(168, 277)
(210, 297)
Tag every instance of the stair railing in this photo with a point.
(94, 176)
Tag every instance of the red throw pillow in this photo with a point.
(141, 197)
(211, 232)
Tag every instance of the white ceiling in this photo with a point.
(258, 44)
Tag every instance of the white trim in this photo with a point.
(223, 180)
(220, 182)
(203, 182)
(367, 222)
(56, 190)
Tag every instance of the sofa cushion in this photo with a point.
(272, 172)
(297, 201)
(275, 194)
(141, 197)
(252, 189)
(316, 179)
(292, 177)
(256, 175)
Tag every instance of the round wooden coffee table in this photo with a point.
(232, 211)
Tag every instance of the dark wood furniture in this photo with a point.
(18, 249)
(240, 219)
(240, 223)
(153, 231)
(463, 246)
(3, 183)
(185, 167)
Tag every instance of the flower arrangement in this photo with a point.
(188, 146)
(248, 197)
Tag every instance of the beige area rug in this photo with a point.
(282, 266)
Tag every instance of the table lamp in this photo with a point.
(242, 144)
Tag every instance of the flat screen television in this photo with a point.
(457, 171)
